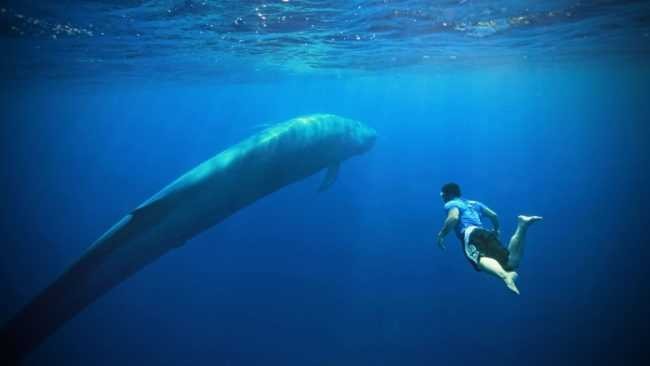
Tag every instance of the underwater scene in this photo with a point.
(305, 182)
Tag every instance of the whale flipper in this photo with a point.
(330, 177)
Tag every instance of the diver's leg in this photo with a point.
(516, 246)
(493, 267)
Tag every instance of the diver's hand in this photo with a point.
(441, 242)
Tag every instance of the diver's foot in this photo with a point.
(527, 220)
(510, 279)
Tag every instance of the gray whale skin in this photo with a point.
(209, 193)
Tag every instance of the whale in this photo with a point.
(209, 193)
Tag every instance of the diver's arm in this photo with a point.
(450, 223)
(493, 218)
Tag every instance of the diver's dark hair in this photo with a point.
(450, 191)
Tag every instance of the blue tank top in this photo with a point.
(470, 214)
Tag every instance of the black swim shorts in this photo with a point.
(485, 243)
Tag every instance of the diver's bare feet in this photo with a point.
(527, 220)
(510, 279)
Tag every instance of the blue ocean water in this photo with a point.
(533, 107)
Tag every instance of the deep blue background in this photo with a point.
(350, 276)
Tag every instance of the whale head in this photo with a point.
(341, 137)
(363, 138)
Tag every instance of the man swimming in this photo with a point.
(482, 246)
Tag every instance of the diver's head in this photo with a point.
(449, 191)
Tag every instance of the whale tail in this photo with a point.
(106, 263)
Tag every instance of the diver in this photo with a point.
(482, 247)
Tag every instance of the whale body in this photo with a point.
(202, 197)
